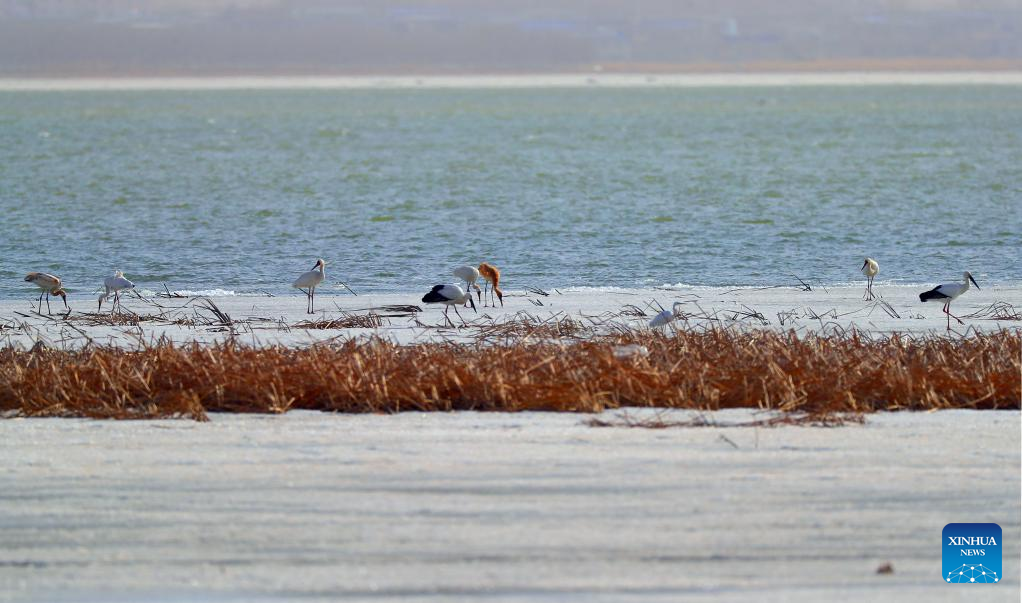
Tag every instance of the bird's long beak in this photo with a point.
(472, 302)
(864, 264)
(974, 281)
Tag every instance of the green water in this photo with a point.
(243, 190)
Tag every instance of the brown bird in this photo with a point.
(50, 285)
(492, 276)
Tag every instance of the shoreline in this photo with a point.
(561, 80)
(264, 320)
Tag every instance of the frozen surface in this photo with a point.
(267, 320)
(498, 507)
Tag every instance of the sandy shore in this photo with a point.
(497, 507)
(264, 320)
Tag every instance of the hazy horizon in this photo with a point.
(285, 37)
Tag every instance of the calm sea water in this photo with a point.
(243, 190)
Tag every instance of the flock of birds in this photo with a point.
(450, 295)
(948, 292)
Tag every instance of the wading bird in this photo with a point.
(307, 284)
(113, 285)
(449, 295)
(666, 316)
(50, 285)
(470, 275)
(492, 276)
(947, 293)
(870, 268)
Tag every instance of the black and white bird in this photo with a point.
(948, 293)
(870, 268)
(449, 295)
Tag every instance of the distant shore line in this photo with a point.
(567, 80)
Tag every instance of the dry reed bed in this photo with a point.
(707, 369)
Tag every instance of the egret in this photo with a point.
(870, 268)
(492, 276)
(947, 293)
(449, 295)
(50, 285)
(307, 284)
(113, 285)
(665, 317)
(470, 275)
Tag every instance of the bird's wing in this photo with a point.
(435, 296)
(935, 293)
(661, 319)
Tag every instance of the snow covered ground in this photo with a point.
(267, 320)
(499, 507)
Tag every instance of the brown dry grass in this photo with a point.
(817, 376)
(346, 320)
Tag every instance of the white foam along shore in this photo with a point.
(562, 80)
(265, 320)
(525, 507)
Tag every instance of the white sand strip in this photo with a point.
(781, 308)
(498, 507)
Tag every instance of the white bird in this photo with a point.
(947, 293)
(870, 268)
(449, 295)
(307, 283)
(665, 317)
(113, 285)
(50, 285)
(470, 275)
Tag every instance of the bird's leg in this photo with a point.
(952, 315)
(40, 309)
(312, 299)
(48, 311)
(486, 287)
(447, 318)
(459, 316)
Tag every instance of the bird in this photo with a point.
(113, 285)
(947, 293)
(492, 276)
(470, 275)
(50, 285)
(449, 295)
(666, 316)
(870, 268)
(307, 284)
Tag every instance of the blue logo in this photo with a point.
(971, 553)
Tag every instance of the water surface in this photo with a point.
(242, 190)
